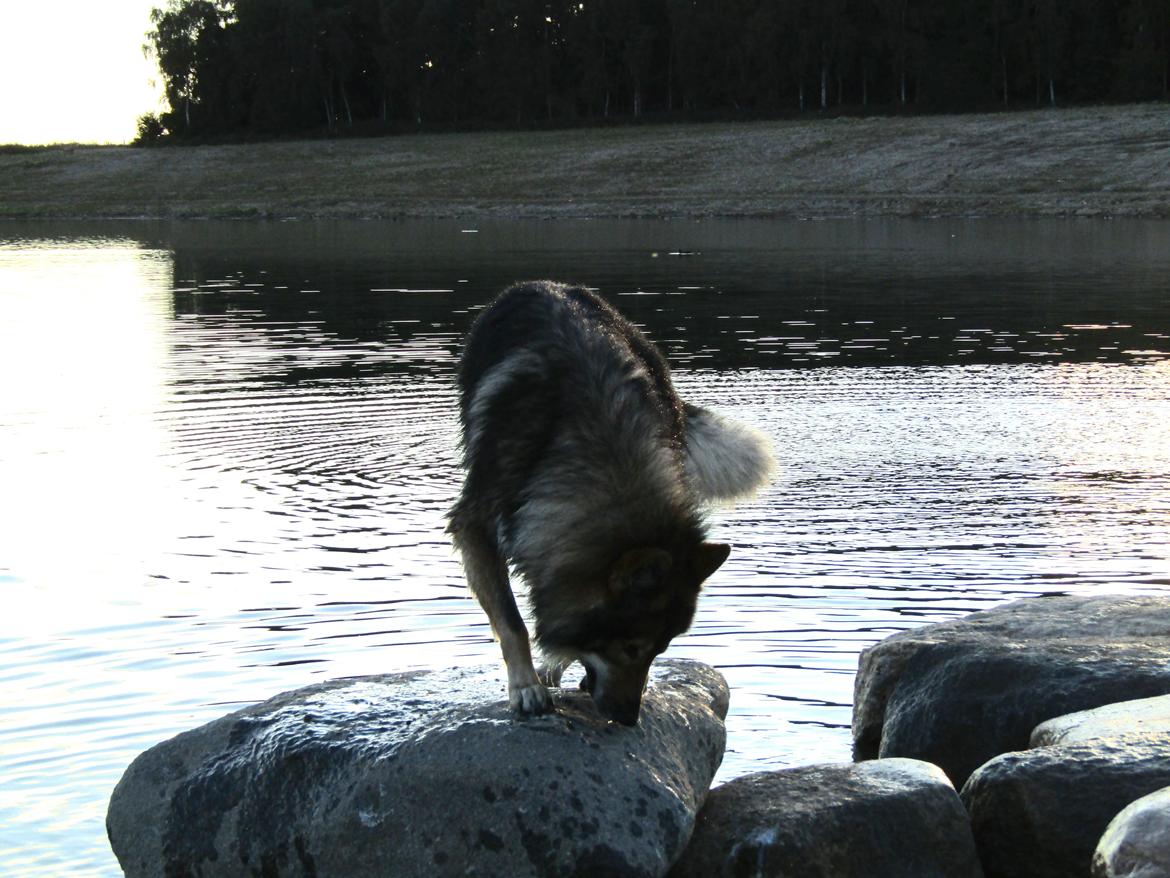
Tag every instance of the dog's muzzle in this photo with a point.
(616, 691)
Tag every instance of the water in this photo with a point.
(226, 452)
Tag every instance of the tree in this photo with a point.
(150, 130)
(186, 43)
(233, 67)
(1144, 57)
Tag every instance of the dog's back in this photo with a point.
(542, 315)
(575, 335)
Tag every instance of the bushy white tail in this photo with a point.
(725, 460)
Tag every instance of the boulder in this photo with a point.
(1039, 813)
(897, 818)
(1150, 716)
(425, 773)
(958, 693)
(1136, 843)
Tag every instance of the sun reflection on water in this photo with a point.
(84, 360)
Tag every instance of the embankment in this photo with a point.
(1094, 161)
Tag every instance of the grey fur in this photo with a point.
(725, 460)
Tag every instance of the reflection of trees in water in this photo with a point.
(394, 297)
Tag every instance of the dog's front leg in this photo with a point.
(526, 694)
(487, 576)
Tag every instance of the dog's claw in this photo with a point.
(530, 700)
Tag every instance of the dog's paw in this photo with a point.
(530, 700)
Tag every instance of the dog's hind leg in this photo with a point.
(487, 576)
(550, 673)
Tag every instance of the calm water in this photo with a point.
(226, 452)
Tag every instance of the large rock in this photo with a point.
(958, 693)
(1149, 716)
(425, 774)
(1040, 813)
(897, 818)
(1136, 843)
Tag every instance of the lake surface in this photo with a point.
(226, 451)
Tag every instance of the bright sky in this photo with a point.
(73, 70)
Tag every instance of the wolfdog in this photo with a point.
(586, 471)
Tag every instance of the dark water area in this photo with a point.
(861, 293)
(226, 452)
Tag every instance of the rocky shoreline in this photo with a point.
(1006, 743)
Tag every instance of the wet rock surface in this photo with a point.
(1040, 813)
(895, 818)
(425, 774)
(1136, 843)
(1149, 716)
(959, 693)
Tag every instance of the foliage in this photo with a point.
(150, 130)
(241, 67)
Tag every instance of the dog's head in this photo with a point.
(647, 599)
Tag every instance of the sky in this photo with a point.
(73, 70)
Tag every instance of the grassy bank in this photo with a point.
(1099, 161)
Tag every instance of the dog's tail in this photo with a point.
(725, 460)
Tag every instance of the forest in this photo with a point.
(258, 68)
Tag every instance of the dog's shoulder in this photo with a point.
(518, 318)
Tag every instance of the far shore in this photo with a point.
(1109, 161)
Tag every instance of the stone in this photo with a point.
(1136, 844)
(959, 693)
(425, 773)
(897, 818)
(1039, 813)
(1150, 716)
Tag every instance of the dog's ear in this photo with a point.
(639, 570)
(709, 557)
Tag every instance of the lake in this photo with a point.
(226, 451)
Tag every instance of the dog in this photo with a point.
(586, 472)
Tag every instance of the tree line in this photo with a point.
(267, 67)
